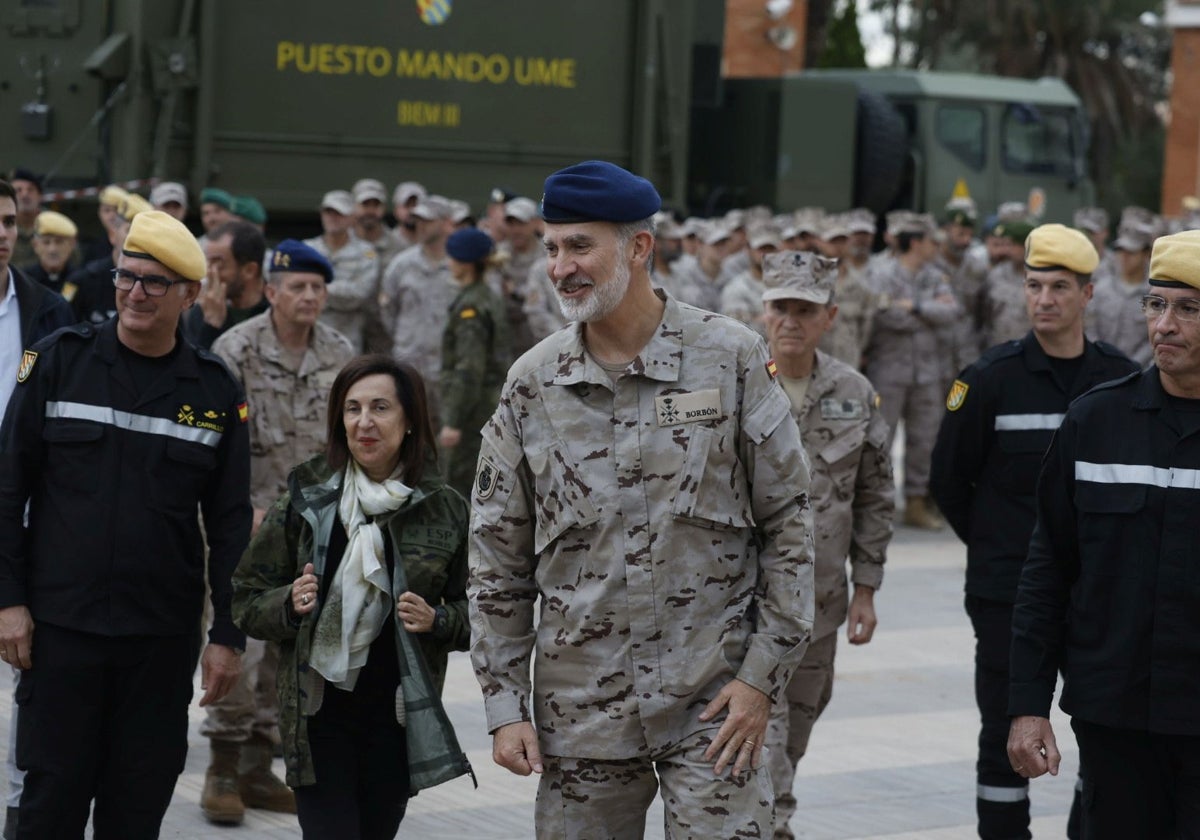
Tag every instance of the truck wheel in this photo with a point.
(882, 152)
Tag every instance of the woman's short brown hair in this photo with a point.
(416, 449)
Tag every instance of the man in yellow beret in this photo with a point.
(1110, 588)
(116, 435)
(54, 239)
(1001, 413)
(94, 299)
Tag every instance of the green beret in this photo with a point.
(249, 208)
(157, 236)
(1051, 247)
(1175, 260)
(1015, 231)
(213, 195)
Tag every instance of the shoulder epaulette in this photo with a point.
(82, 330)
(1112, 383)
(1005, 350)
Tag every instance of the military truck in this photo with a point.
(285, 100)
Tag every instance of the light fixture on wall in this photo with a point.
(782, 36)
(779, 9)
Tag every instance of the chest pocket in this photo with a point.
(74, 447)
(1023, 451)
(1108, 523)
(179, 479)
(712, 490)
(561, 500)
(838, 461)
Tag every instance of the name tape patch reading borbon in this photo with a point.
(688, 408)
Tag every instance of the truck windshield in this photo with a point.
(1038, 140)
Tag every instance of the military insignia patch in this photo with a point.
(467, 313)
(485, 479)
(68, 291)
(28, 358)
(243, 411)
(957, 395)
(878, 401)
(772, 368)
(186, 416)
(842, 409)
(434, 12)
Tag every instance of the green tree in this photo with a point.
(843, 44)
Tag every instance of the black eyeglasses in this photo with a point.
(153, 285)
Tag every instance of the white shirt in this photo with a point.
(10, 343)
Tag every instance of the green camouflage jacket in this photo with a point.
(428, 535)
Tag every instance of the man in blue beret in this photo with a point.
(643, 477)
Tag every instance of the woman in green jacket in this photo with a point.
(359, 573)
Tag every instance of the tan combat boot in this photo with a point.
(918, 515)
(221, 802)
(260, 788)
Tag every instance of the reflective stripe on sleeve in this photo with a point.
(1165, 477)
(992, 793)
(131, 422)
(1028, 422)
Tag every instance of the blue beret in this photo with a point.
(598, 191)
(295, 257)
(469, 245)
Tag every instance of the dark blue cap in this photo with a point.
(598, 191)
(469, 245)
(295, 257)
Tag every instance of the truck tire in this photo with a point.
(882, 153)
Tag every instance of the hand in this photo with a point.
(304, 592)
(741, 735)
(1032, 749)
(16, 637)
(220, 667)
(449, 438)
(259, 515)
(414, 613)
(515, 748)
(212, 300)
(861, 622)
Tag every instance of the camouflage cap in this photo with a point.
(916, 224)
(435, 207)
(798, 275)
(835, 225)
(809, 219)
(714, 231)
(1135, 236)
(763, 236)
(1012, 211)
(861, 220)
(1091, 219)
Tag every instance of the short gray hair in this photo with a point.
(626, 231)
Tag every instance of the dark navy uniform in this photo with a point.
(1111, 591)
(116, 454)
(1001, 415)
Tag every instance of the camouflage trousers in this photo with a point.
(606, 799)
(252, 706)
(791, 724)
(921, 407)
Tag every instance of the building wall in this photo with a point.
(748, 49)
(1181, 164)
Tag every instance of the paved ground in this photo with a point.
(892, 757)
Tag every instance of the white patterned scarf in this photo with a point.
(360, 595)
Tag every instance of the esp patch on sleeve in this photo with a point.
(957, 395)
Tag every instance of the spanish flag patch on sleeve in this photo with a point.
(243, 412)
(772, 368)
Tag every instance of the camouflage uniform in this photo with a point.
(514, 275)
(1114, 315)
(287, 427)
(741, 299)
(474, 359)
(653, 516)
(902, 362)
(414, 299)
(352, 293)
(853, 499)
(961, 342)
(1003, 308)
(856, 302)
(542, 312)
(695, 287)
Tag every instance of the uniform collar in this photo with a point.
(1037, 360)
(185, 360)
(659, 359)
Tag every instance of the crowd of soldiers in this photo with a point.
(910, 316)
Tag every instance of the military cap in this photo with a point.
(432, 208)
(520, 208)
(860, 220)
(49, 223)
(1012, 211)
(407, 191)
(763, 236)
(294, 257)
(23, 174)
(895, 219)
(460, 211)
(915, 224)
(501, 195)
(809, 220)
(665, 226)
(1135, 236)
(1052, 247)
(249, 208)
(469, 245)
(365, 189)
(339, 201)
(159, 236)
(714, 231)
(598, 191)
(132, 205)
(1175, 261)
(112, 196)
(691, 226)
(213, 195)
(758, 214)
(1015, 231)
(798, 275)
(1091, 219)
(960, 211)
(168, 191)
(735, 219)
(834, 226)
(1134, 215)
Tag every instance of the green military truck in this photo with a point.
(285, 100)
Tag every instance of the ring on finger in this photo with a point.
(304, 600)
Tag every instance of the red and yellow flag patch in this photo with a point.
(772, 368)
(243, 412)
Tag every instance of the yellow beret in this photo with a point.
(1050, 247)
(50, 223)
(1175, 260)
(112, 196)
(160, 237)
(131, 205)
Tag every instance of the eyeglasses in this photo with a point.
(1154, 307)
(153, 285)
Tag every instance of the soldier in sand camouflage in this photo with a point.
(351, 302)
(643, 478)
(846, 338)
(852, 495)
(1003, 301)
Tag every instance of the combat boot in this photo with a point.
(220, 801)
(259, 787)
(918, 515)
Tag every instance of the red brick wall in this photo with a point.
(748, 53)
(1181, 166)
